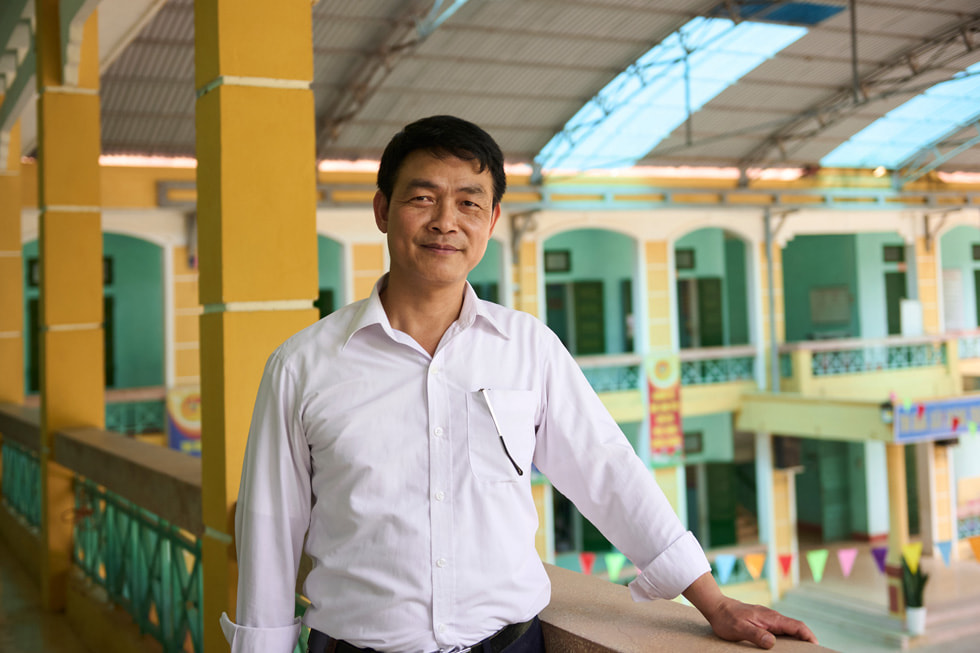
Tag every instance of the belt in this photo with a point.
(322, 643)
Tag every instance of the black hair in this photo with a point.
(443, 136)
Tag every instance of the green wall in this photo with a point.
(717, 254)
(871, 269)
(488, 269)
(956, 247)
(330, 272)
(606, 256)
(717, 438)
(136, 289)
(811, 262)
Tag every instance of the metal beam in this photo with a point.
(932, 156)
(409, 29)
(903, 74)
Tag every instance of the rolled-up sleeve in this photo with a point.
(671, 572)
(273, 515)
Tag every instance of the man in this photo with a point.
(398, 435)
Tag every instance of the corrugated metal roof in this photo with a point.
(523, 68)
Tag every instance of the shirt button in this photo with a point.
(438, 431)
(434, 371)
(440, 496)
(441, 562)
(441, 628)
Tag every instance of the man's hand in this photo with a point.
(735, 621)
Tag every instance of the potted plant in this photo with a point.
(913, 586)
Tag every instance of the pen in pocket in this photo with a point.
(496, 424)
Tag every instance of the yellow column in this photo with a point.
(11, 276)
(187, 321)
(658, 295)
(898, 526)
(526, 278)
(257, 238)
(925, 271)
(70, 245)
(368, 261)
(777, 291)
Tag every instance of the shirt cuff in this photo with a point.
(260, 640)
(671, 572)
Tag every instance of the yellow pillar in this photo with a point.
(658, 295)
(70, 246)
(898, 526)
(925, 271)
(368, 262)
(526, 278)
(11, 275)
(256, 181)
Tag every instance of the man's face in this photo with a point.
(439, 219)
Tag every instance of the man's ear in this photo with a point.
(381, 211)
(494, 217)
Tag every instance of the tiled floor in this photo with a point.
(24, 626)
(948, 591)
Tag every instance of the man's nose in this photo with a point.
(444, 217)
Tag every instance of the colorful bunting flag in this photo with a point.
(724, 564)
(975, 545)
(956, 423)
(846, 559)
(754, 563)
(614, 564)
(912, 554)
(817, 560)
(945, 548)
(920, 410)
(907, 405)
(973, 427)
(786, 562)
(586, 559)
(892, 396)
(880, 553)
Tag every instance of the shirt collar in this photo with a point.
(372, 312)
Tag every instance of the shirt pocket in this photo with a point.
(514, 411)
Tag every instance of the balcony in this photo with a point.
(136, 580)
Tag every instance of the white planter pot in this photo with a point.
(915, 621)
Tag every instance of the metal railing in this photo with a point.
(612, 373)
(148, 566)
(136, 417)
(857, 356)
(22, 482)
(717, 365)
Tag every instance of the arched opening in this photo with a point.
(588, 276)
(133, 313)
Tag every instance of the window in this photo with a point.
(684, 259)
(558, 260)
(893, 254)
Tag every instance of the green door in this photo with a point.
(711, 320)
(721, 504)
(834, 491)
(894, 294)
(590, 329)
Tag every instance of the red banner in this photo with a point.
(664, 385)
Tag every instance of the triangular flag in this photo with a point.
(920, 410)
(724, 563)
(846, 559)
(880, 553)
(973, 428)
(975, 545)
(614, 564)
(907, 405)
(945, 548)
(586, 559)
(754, 562)
(956, 423)
(817, 560)
(786, 562)
(912, 553)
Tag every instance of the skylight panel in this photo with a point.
(895, 138)
(650, 99)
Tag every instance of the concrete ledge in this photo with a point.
(22, 425)
(163, 481)
(590, 615)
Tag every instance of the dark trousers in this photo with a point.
(530, 642)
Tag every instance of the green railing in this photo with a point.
(136, 417)
(717, 370)
(969, 346)
(612, 372)
(875, 358)
(22, 482)
(146, 565)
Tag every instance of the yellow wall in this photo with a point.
(925, 269)
(187, 329)
(658, 294)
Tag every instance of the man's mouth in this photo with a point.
(440, 247)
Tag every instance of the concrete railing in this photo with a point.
(585, 614)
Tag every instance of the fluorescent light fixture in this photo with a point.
(928, 118)
(650, 99)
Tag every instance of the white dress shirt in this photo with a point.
(421, 531)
